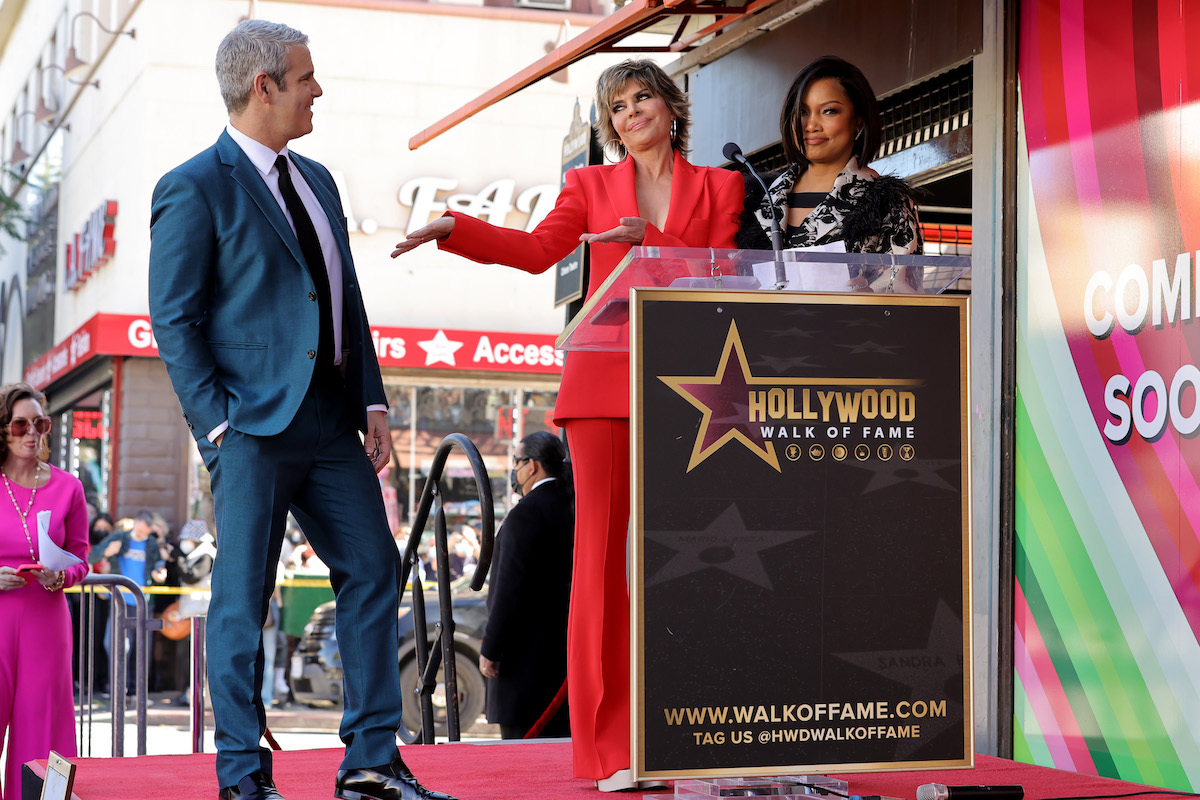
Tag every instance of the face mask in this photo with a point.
(187, 546)
(516, 484)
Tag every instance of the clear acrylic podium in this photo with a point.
(799, 511)
(603, 322)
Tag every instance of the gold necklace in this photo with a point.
(24, 515)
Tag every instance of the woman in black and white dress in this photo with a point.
(829, 126)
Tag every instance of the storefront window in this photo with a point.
(493, 418)
(83, 448)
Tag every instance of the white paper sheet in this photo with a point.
(811, 276)
(51, 556)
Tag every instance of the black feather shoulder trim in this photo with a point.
(750, 235)
(874, 213)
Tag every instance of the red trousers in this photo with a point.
(598, 667)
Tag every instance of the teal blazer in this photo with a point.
(232, 305)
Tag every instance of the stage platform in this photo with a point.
(525, 770)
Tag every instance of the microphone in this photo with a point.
(938, 791)
(734, 153)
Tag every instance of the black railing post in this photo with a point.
(427, 659)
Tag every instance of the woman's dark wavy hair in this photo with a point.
(549, 451)
(856, 87)
(9, 396)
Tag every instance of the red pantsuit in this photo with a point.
(593, 407)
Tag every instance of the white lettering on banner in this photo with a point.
(1133, 300)
(421, 195)
(388, 346)
(483, 351)
(1132, 297)
(536, 201)
(141, 335)
(76, 348)
(493, 203)
(80, 346)
(516, 353)
(133, 335)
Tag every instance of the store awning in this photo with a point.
(607, 36)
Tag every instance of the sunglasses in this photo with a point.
(20, 426)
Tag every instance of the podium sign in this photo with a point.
(801, 551)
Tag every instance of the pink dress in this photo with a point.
(37, 707)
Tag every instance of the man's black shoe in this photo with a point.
(392, 781)
(255, 786)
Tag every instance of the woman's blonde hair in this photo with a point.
(651, 76)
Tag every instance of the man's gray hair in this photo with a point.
(254, 46)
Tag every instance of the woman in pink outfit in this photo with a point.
(36, 705)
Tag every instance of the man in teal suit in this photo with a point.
(260, 321)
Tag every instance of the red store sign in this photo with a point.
(92, 247)
(424, 348)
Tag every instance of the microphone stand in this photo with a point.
(734, 153)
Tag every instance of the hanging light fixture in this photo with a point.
(44, 113)
(94, 83)
(75, 66)
(18, 154)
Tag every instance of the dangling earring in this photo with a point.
(859, 134)
(674, 125)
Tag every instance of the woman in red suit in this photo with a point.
(651, 197)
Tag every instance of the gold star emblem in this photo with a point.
(723, 399)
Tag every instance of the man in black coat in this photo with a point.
(524, 653)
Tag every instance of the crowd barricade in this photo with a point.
(122, 617)
(106, 588)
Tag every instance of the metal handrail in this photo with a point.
(142, 623)
(429, 659)
(199, 679)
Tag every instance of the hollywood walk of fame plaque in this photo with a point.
(800, 551)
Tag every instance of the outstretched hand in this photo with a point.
(440, 228)
(632, 230)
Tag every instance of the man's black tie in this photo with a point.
(310, 247)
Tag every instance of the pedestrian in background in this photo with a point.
(192, 560)
(524, 652)
(133, 549)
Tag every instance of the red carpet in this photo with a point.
(534, 771)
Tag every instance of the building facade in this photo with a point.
(1053, 135)
(464, 347)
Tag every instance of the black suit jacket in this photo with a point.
(527, 606)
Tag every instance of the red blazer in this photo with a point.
(706, 207)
